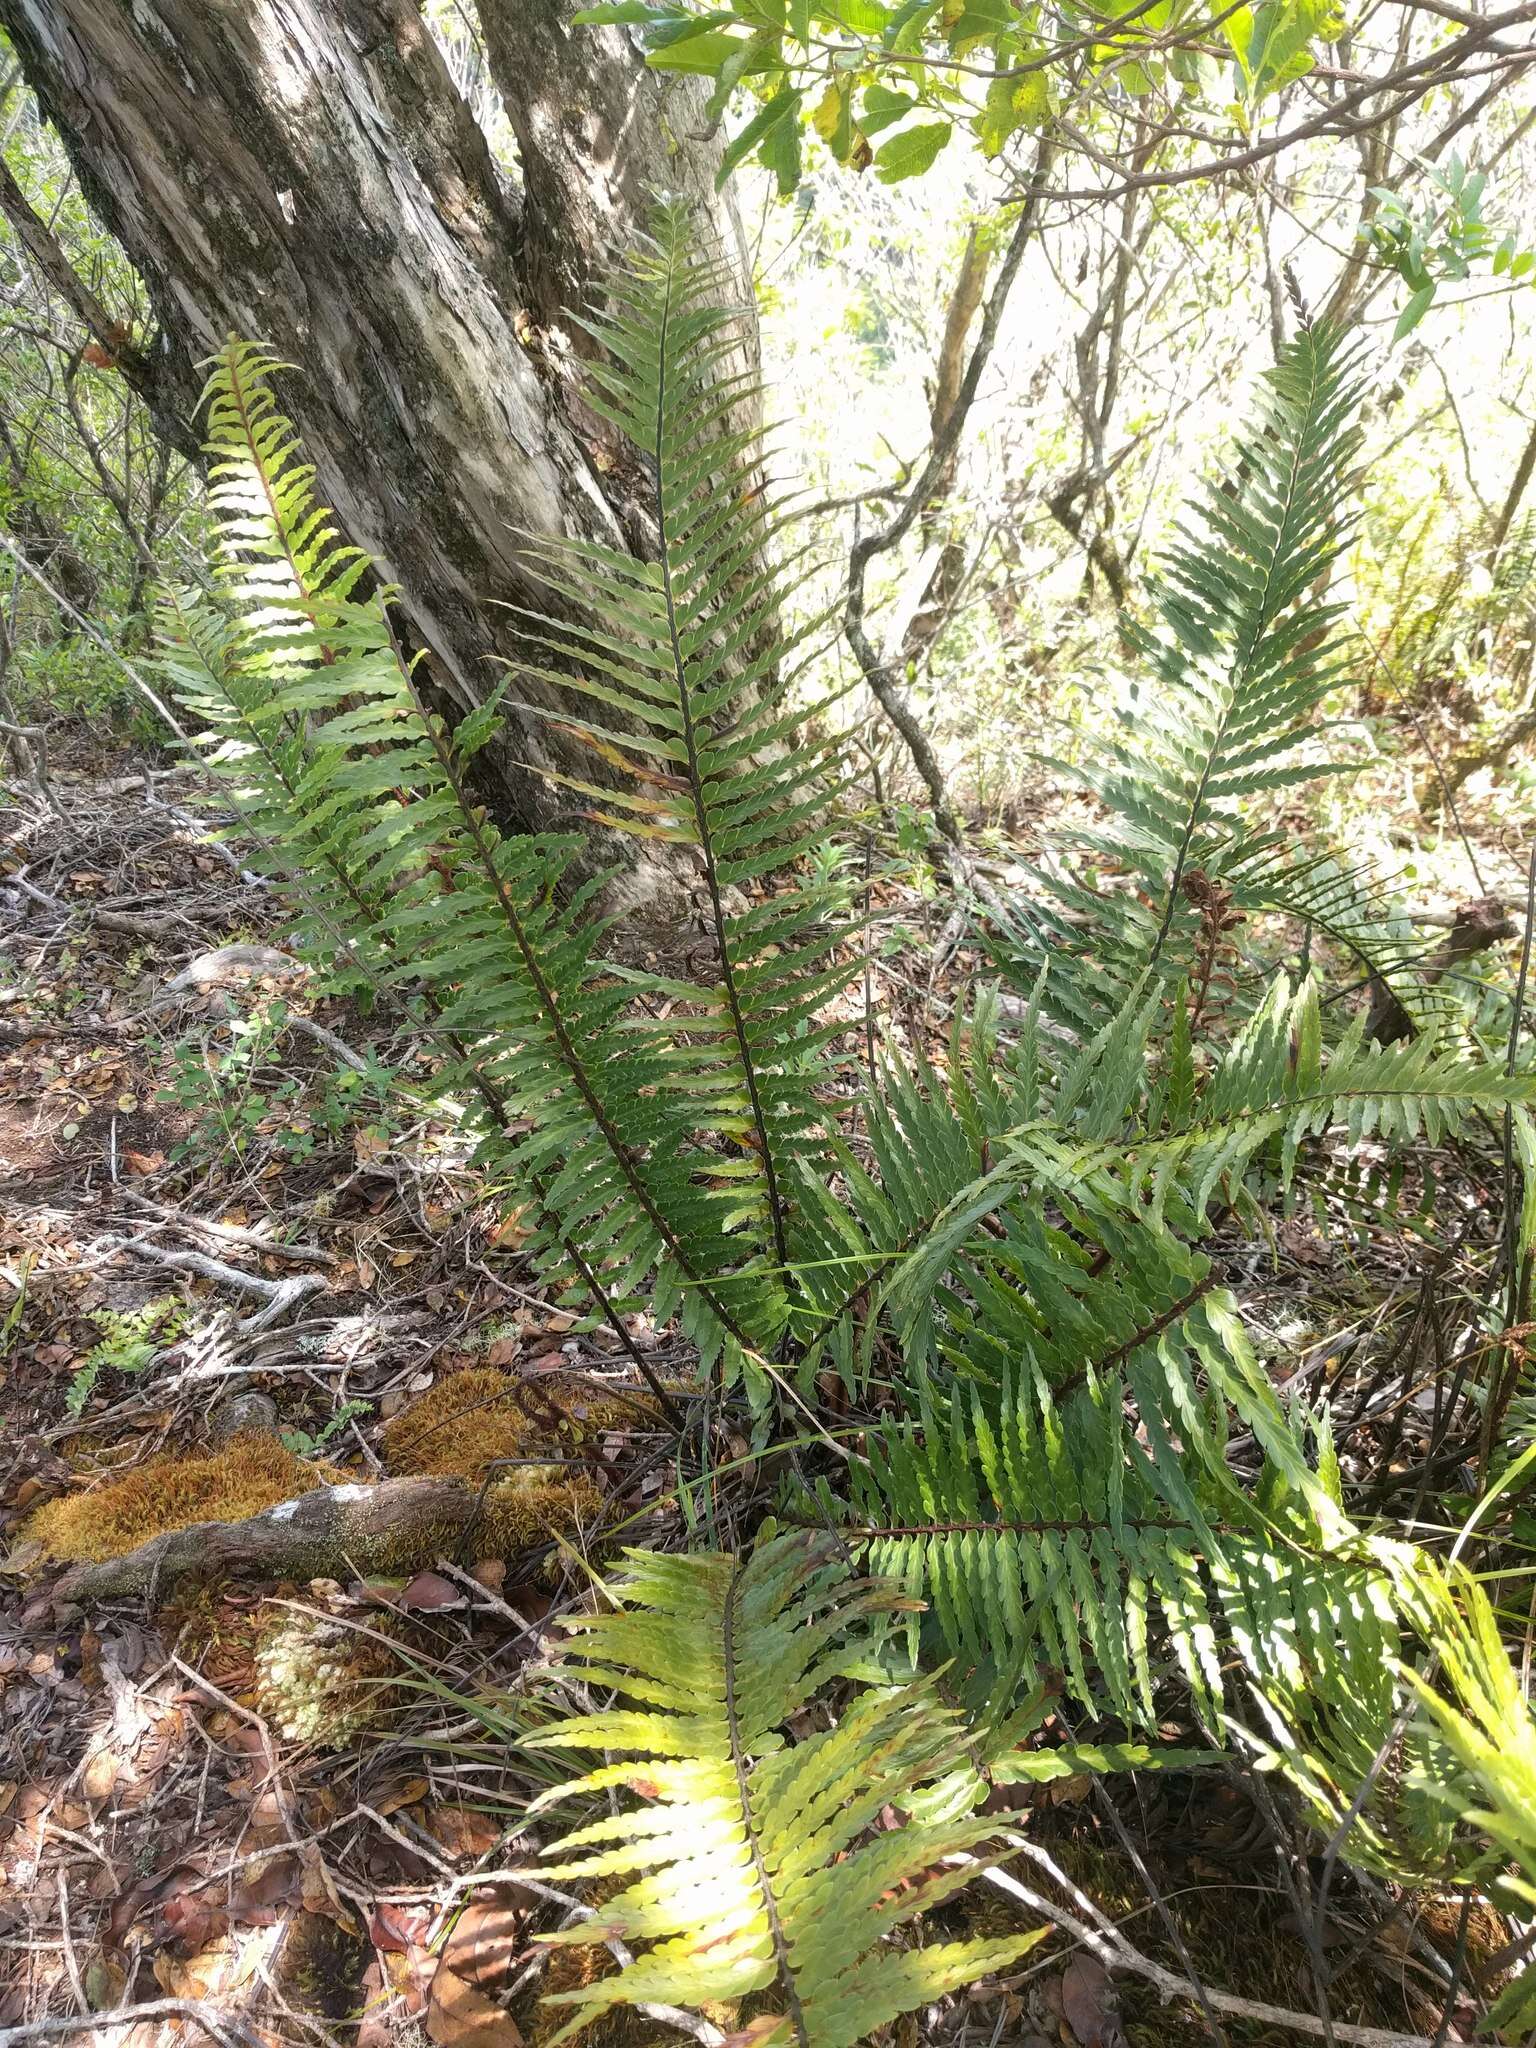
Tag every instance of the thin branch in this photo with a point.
(877, 671)
(1116, 1953)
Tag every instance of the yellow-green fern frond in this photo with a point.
(756, 1867)
(690, 673)
(315, 723)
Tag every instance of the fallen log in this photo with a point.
(395, 1526)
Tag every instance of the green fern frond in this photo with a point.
(692, 670)
(1246, 655)
(316, 726)
(925, 1142)
(753, 1869)
(1114, 1553)
(1240, 659)
(1158, 1157)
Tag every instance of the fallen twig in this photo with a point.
(222, 2026)
(279, 1295)
(228, 1233)
(1116, 1953)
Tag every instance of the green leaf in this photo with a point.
(862, 17)
(752, 1862)
(1012, 103)
(758, 134)
(779, 152)
(907, 25)
(1414, 311)
(911, 152)
(1273, 42)
(981, 21)
(704, 55)
(639, 12)
(883, 108)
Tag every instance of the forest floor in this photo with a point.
(215, 1219)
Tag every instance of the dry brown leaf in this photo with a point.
(318, 1892)
(99, 1778)
(103, 1980)
(204, 1975)
(459, 2016)
(394, 1929)
(1089, 2003)
(409, 1975)
(266, 1811)
(462, 1832)
(190, 1923)
(402, 1795)
(266, 1887)
(431, 1593)
(483, 1940)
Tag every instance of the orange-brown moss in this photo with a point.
(459, 1427)
(173, 1492)
(471, 1419)
(522, 1516)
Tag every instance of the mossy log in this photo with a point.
(398, 1525)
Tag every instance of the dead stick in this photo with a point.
(394, 1526)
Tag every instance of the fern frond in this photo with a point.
(1481, 1769)
(752, 1868)
(1036, 1522)
(926, 1142)
(690, 664)
(1157, 1157)
(1240, 659)
(316, 725)
(1245, 655)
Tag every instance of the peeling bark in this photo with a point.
(305, 172)
(600, 137)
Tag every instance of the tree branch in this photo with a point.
(876, 670)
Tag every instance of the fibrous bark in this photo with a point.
(305, 172)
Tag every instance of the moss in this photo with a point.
(519, 1516)
(463, 1425)
(320, 1967)
(459, 1427)
(318, 1681)
(172, 1492)
(471, 1419)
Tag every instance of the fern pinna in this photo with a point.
(753, 1869)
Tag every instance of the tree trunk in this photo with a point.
(304, 172)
